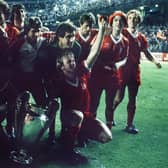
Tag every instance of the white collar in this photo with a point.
(84, 38)
(116, 41)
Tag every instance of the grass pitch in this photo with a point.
(148, 149)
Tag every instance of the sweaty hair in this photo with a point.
(63, 28)
(87, 17)
(137, 14)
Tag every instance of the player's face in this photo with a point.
(67, 41)
(85, 28)
(132, 20)
(69, 65)
(118, 23)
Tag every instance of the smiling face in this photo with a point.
(68, 64)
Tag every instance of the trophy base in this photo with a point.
(21, 157)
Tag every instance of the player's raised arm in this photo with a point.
(97, 44)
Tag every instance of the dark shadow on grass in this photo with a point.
(43, 155)
(55, 155)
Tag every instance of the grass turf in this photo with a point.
(149, 148)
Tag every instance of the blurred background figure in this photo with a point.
(16, 22)
(162, 35)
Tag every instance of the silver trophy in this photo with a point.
(31, 122)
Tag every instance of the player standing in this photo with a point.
(104, 75)
(130, 73)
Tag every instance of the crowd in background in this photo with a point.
(51, 13)
(156, 43)
(56, 63)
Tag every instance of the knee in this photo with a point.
(105, 135)
(77, 118)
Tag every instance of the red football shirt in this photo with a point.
(76, 95)
(111, 52)
(12, 32)
(85, 43)
(137, 43)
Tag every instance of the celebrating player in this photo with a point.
(75, 99)
(104, 75)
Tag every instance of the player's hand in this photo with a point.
(108, 30)
(109, 68)
(102, 22)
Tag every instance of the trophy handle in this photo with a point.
(22, 104)
(20, 155)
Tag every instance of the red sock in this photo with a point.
(70, 136)
(131, 113)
